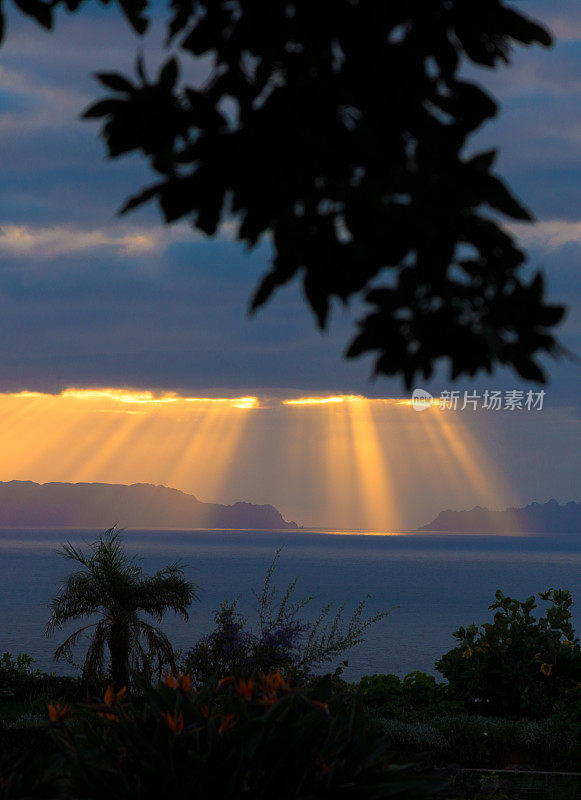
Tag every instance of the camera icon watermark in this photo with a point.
(422, 400)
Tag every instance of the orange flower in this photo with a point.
(170, 680)
(268, 698)
(183, 682)
(274, 681)
(321, 763)
(222, 681)
(323, 706)
(112, 697)
(56, 712)
(277, 681)
(546, 669)
(467, 653)
(175, 722)
(244, 688)
(228, 721)
(205, 710)
(270, 685)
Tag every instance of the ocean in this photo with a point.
(430, 583)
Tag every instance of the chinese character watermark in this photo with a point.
(489, 400)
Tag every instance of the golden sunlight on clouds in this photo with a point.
(339, 461)
(44, 242)
(321, 401)
(48, 242)
(148, 398)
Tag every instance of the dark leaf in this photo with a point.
(169, 75)
(114, 81)
(525, 30)
(100, 109)
(142, 197)
(41, 12)
(500, 198)
(134, 11)
(528, 370)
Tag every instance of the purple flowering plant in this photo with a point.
(283, 640)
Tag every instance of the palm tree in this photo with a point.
(112, 585)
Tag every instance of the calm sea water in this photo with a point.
(432, 583)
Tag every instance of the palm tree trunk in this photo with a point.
(118, 643)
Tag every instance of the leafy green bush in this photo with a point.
(15, 674)
(24, 689)
(255, 737)
(518, 665)
(417, 696)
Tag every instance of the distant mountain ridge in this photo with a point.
(550, 517)
(141, 505)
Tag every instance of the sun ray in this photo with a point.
(473, 461)
(438, 449)
(341, 484)
(210, 451)
(346, 460)
(380, 507)
(102, 462)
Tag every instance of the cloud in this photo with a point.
(47, 243)
(550, 234)
(563, 19)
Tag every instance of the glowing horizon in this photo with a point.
(147, 397)
(130, 396)
(321, 401)
(332, 460)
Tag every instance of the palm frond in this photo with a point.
(79, 596)
(95, 659)
(111, 583)
(167, 590)
(158, 652)
(65, 650)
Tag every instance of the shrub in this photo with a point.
(418, 696)
(27, 689)
(232, 649)
(255, 738)
(518, 665)
(23, 777)
(283, 641)
(487, 741)
(15, 674)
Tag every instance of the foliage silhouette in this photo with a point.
(283, 640)
(338, 129)
(518, 665)
(111, 585)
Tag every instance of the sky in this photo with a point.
(90, 300)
